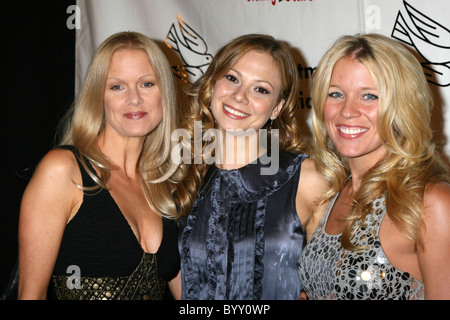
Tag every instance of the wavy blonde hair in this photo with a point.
(200, 95)
(404, 113)
(86, 120)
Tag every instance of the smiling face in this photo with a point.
(246, 97)
(132, 99)
(351, 112)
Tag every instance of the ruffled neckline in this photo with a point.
(248, 181)
(228, 190)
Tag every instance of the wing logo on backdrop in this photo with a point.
(192, 50)
(430, 39)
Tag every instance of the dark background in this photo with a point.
(38, 76)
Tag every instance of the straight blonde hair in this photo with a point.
(86, 120)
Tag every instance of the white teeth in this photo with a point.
(347, 130)
(235, 112)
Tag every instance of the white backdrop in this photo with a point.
(191, 31)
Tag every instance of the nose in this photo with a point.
(240, 95)
(134, 97)
(350, 109)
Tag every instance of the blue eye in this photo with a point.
(116, 87)
(335, 95)
(370, 96)
(148, 84)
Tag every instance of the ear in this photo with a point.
(276, 111)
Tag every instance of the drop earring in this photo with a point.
(270, 126)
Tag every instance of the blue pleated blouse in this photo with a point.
(243, 237)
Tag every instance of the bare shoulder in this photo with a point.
(52, 187)
(311, 177)
(438, 190)
(312, 185)
(437, 204)
(434, 257)
(60, 158)
(309, 165)
(57, 169)
(59, 162)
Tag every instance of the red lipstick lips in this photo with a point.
(135, 115)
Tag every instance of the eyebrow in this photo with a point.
(265, 81)
(141, 77)
(369, 88)
(363, 88)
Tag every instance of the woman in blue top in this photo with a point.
(248, 202)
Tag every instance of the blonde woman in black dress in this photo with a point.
(97, 218)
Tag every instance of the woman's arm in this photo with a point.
(49, 201)
(434, 257)
(175, 286)
(311, 187)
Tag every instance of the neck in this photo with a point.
(238, 150)
(359, 166)
(123, 153)
(357, 170)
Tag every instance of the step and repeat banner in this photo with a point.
(191, 31)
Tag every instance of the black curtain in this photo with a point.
(38, 87)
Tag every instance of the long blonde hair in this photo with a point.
(86, 120)
(200, 94)
(404, 113)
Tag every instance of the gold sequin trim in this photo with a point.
(143, 284)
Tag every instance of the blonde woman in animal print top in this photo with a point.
(386, 233)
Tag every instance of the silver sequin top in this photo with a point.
(328, 271)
